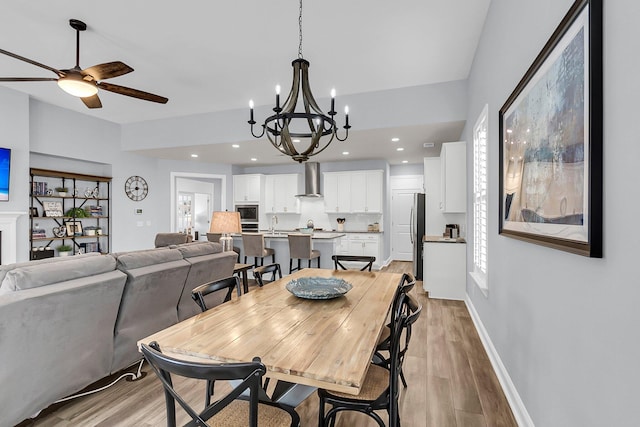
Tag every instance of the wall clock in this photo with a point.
(136, 188)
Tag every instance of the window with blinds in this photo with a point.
(480, 132)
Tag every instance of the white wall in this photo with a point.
(565, 326)
(14, 134)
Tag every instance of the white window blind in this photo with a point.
(480, 132)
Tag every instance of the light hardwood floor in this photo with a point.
(451, 383)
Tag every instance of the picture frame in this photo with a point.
(74, 228)
(52, 209)
(33, 212)
(550, 146)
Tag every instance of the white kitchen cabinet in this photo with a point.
(366, 191)
(453, 167)
(357, 192)
(444, 270)
(280, 193)
(337, 192)
(247, 188)
(342, 245)
(359, 244)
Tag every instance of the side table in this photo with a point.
(242, 269)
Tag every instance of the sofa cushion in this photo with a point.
(42, 274)
(189, 250)
(166, 239)
(138, 259)
(8, 267)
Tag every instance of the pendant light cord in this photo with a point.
(300, 31)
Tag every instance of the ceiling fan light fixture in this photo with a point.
(76, 86)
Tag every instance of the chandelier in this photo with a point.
(286, 127)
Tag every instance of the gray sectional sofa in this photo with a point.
(68, 322)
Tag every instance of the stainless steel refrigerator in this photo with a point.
(417, 225)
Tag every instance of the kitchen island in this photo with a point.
(324, 241)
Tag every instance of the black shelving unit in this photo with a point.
(87, 193)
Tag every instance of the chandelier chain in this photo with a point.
(300, 31)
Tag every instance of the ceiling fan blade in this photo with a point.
(92, 101)
(134, 93)
(27, 79)
(30, 61)
(107, 70)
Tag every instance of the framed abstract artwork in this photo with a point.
(551, 141)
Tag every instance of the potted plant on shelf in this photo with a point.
(64, 250)
(62, 191)
(76, 213)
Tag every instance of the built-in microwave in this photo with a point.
(248, 213)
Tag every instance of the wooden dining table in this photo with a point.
(316, 343)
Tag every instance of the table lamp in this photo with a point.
(225, 223)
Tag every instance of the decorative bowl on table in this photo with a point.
(318, 287)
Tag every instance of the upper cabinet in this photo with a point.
(337, 192)
(453, 167)
(247, 188)
(280, 193)
(366, 191)
(357, 192)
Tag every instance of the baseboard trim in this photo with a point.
(517, 406)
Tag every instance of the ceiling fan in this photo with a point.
(85, 83)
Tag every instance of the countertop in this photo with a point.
(318, 235)
(440, 239)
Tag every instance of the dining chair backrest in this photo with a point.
(300, 246)
(249, 375)
(339, 259)
(274, 269)
(218, 287)
(407, 282)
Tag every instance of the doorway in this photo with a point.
(194, 197)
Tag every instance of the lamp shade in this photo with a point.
(225, 222)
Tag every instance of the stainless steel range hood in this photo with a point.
(311, 180)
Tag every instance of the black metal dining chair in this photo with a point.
(379, 389)
(233, 409)
(407, 282)
(217, 286)
(410, 306)
(339, 259)
(259, 272)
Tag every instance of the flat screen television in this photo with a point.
(5, 168)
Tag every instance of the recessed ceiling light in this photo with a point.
(399, 149)
(235, 146)
(395, 139)
(253, 159)
(405, 161)
(345, 153)
(194, 155)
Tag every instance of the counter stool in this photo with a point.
(253, 244)
(300, 248)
